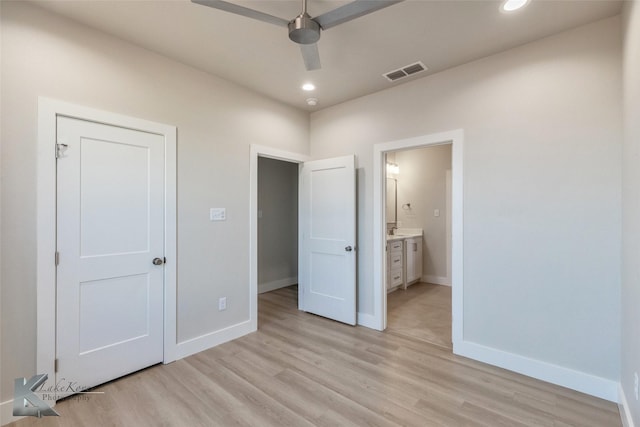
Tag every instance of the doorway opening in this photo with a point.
(326, 252)
(455, 140)
(261, 156)
(277, 247)
(418, 243)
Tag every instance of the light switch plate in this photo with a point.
(436, 212)
(218, 214)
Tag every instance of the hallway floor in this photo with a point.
(423, 312)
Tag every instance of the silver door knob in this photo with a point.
(348, 249)
(158, 261)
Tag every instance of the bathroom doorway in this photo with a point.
(455, 139)
(418, 243)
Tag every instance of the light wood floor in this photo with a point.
(304, 370)
(422, 311)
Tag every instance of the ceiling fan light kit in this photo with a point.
(303, 29)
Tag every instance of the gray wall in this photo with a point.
(278, 224)
(45, 55)
(542, 146)
(631, 208)
(422, 183)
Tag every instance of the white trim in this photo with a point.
(276, 284)
(623, 406)
(212, 339)
(575, 380)
(448, 224)
(272, 153)
(367, 320)
(48, 110)
(455, 138)
(6, 413)
(436, 280)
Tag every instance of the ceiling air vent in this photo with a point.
(405, 71)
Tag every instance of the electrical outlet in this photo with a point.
(635, 384)
(222, 304)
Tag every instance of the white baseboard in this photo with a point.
(436, 280)
(205, 342)
(623, 405)
(6, 413)
(368, 321)
(575, 380)
(276, 284)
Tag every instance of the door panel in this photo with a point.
(127, 223)
(110, 227)
(132, 294)
(328, 230)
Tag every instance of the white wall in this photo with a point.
(45, 55)
(542, 146)
(631, 210)
(422, 183)
(278, 224)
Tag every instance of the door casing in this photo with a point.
(48, 111)
(455, 138)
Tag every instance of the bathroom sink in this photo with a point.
(403, 233)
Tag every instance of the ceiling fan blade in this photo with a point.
(310, 56)
(350, 11)
(244, 11)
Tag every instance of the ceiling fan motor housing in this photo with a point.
(304, 30)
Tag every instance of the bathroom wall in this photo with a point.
(422, 189)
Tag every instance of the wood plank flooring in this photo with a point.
(304, 370)
(422, 311)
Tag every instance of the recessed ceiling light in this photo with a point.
(511, 5)
(308, 87)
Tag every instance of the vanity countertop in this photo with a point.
(404, 233)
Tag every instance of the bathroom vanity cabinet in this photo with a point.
(413, 257)
(404, 260)
(395, 263)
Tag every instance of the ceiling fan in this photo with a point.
(303, 29)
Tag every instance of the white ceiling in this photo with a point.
(354, 55)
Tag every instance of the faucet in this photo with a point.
(391, 230)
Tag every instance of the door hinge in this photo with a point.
(57, 258)
(55, 366)
(60, 149)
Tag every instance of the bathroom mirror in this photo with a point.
(392, 200)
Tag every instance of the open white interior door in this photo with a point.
(327, 276)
